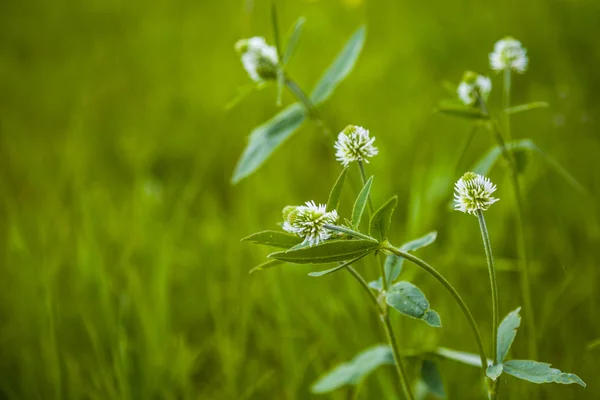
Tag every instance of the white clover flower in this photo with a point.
(473, 192)
(308, 222)
(259, 59)
(354, 144)
(473, 85)
(509, 53)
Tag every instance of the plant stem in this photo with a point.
(312, 110)
(363, 177)
(521, 244)
(506, 101)
(365, 285)
(440, 278)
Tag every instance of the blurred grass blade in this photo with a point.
(275, 26)
(431, 377)
(326, 252)
(243, 92)
(266, 265)
(336, 192)
(340, 68)
(506, 334)
(527, 107)
(460, 356)
(273, 239)
(334, 269)
(457, 110)
(354, 371)
(409, 300)
(361, 202)
(293, 40)
(539, 372)
(465, 143)
(382, 218)
(266, 138)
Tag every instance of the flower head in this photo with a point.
(354, 144)
(473, 85)
(308, 221)
(259, 59)
(473, 192)
(509, 53)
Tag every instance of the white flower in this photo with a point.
(309, 221)
(354, 144)
(473, 85)
(259, 59)
(509, 53)
(473, 192)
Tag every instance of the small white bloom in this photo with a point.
(509, 53)
(354, 144)
(473, 85)
(473, 192)
(259, 59)
(309, 221)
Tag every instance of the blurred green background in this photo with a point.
(122, 273)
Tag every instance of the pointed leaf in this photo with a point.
(430, 376)
(273, 239)
(419, 243)
(506, 334)
(461, 111)
(409, 300)
(526, 107)
(293, 39)
(358, 368)
(460, 356)
(266, 138)
(361, 203)
(381, 219)
(334, 269)
(377, 285)
(340, 68)
(336, 191)
(494, 371)
(328, 251)
(266, 265)
(538, 372)
(393, 263)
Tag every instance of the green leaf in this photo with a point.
(430, 376)
(361, 203)
(328, 251)
(494, 371)
(266, 138)
(461, 356)
(461, 111)
(336, 191)
(352, 372)
(485, 164)
(419, 243)
(538, 372)
(334, 269)
(393, 263)
(506, 334)
(382, 218)
(408, 299)
(266, 265)
(526, 107)
(273, 239)
(340, 68)
(293, 39)
(349, 232)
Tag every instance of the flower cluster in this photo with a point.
(308, 222)
(509, 53)
(354, 144)
(472, 86)
(259, 59)
(473, 192)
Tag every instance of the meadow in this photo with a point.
(123, 274)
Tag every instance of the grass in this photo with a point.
(122, 272)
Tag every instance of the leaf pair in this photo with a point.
(529, 370)
(409, 300)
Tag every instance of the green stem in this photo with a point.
(506, 101)
(363, 177)
(440, 278)
(312, 110)
(365, 285)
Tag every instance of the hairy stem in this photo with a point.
(463, 306)
(363, 177)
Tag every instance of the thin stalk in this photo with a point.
(463, 306)
(494, 286)
(506, 101)
(312, 110)
(521, 243)
(363, 177)
(365, 285)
